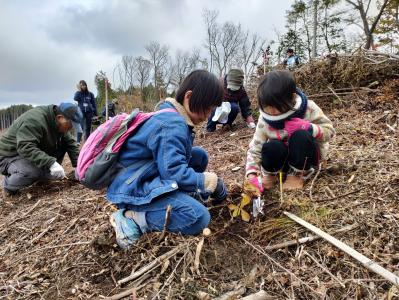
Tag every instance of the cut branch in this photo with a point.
(365, 261)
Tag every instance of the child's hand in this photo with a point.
(296, 124)
(256, 181)
(220, 193)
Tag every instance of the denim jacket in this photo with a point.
(155, 160)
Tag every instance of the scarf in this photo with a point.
(299, 110)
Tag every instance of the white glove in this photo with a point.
(57, 171)
(222, 113)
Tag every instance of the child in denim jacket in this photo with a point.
(161, 167)
(292, 134)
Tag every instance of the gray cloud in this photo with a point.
(47, 48)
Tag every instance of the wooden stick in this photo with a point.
(197, 255)
(382, 54)
(261, 295)
(341, 93)
(280, 175)
(271, 259)
(335, 94)
(324, 269)
(232, 294)
(307, 239)
(365, 261)
(124, 294)
(59, 246)
(313, 181)
(23, 216)
(166, 224)
(152, 265)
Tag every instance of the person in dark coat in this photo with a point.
(87, 104)
(111, 109)
(235, 94)
(34, 147)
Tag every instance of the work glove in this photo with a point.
(57, 171)
(256, 181)
(250, 122)
(296, 124)
(220, 193)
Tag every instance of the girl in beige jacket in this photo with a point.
(291, 136)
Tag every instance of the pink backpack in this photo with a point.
(97, 162)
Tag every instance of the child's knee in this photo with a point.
(29, 172)
(275, 149)
(301, 136)
(200, 220)
(200, 154)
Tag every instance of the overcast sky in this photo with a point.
(48, 46)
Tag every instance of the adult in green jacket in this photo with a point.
(34, 146)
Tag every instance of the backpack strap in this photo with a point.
(145, 164)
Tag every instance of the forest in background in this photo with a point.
(8, 115)
(314, 29)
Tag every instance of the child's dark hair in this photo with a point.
(276, 89)
(206, 88)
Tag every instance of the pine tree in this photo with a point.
(388, 28)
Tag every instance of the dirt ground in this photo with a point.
(56, 241)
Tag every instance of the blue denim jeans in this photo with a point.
(235, 109)
(188, 215)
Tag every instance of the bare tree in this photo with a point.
(230, 41)
(223, 41)
(315, 4)
(250, 52)
(184, 63)
(363, 8)
(142, 70)
(159, 58)
(127, 71)
(210, 17)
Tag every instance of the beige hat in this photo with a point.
(235, 79)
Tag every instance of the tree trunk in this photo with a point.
(370, 40)
(314, 52)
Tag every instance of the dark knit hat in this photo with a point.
(235, 79)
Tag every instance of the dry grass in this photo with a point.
(59, 244)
